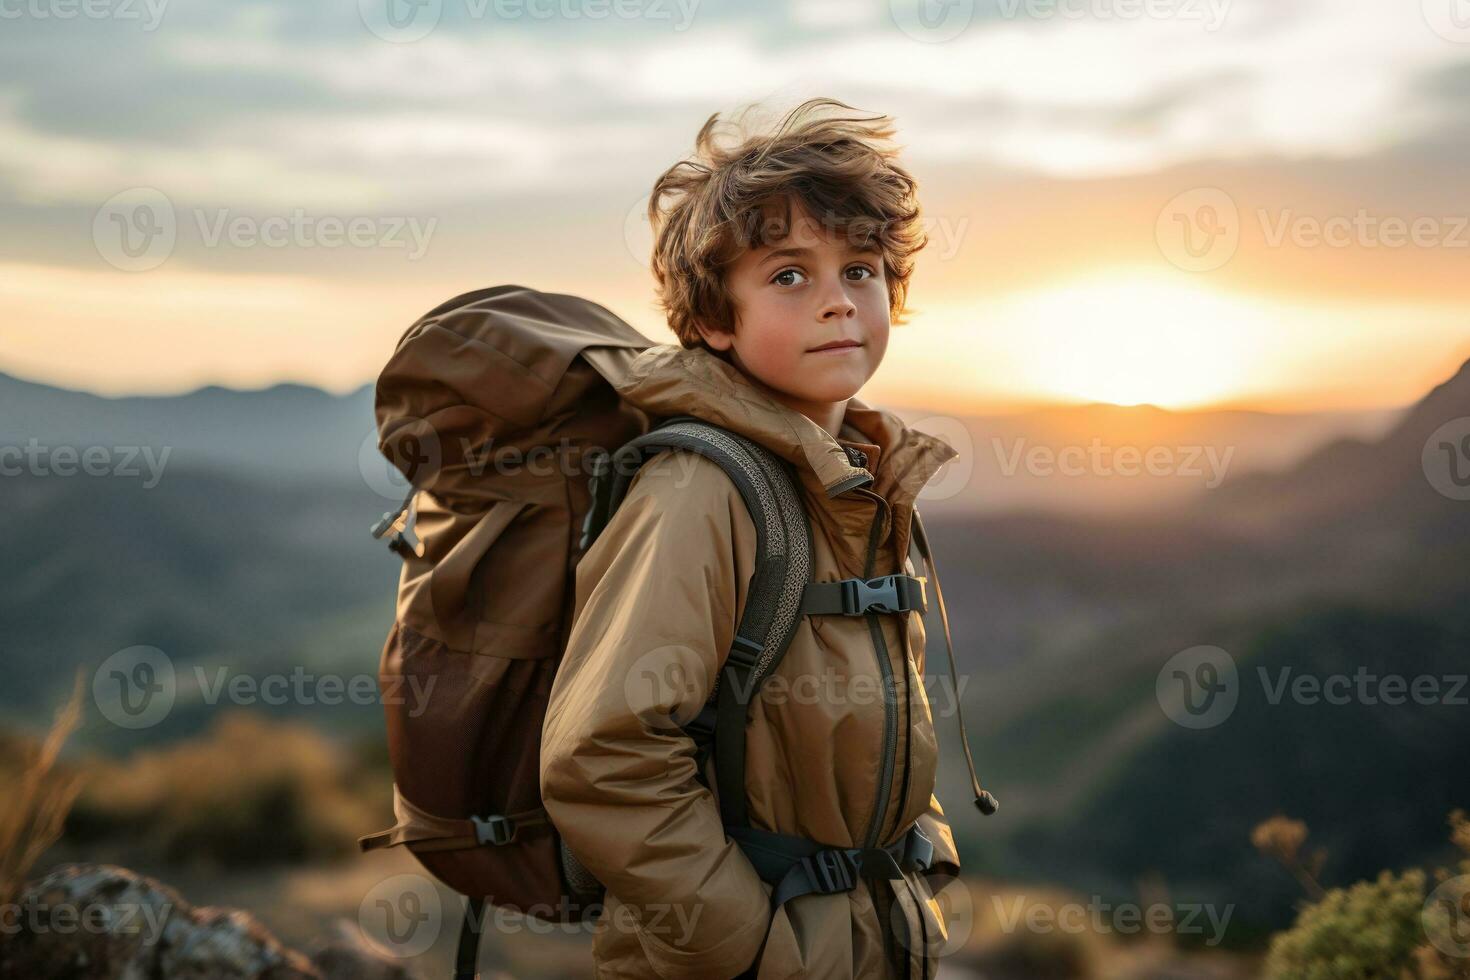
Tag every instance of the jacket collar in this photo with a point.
(668, 379)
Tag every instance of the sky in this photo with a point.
(1192, 203)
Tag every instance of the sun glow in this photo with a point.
(1130, 339)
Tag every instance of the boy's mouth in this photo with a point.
(836, 347)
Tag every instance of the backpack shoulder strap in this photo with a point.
(773, 605)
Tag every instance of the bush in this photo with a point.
(253, 790)
(1369, 930)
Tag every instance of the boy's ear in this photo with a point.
(720, 340)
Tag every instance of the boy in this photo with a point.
(781, 263)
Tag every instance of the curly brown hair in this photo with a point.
(841, 170)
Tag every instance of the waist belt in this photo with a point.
(797, 866)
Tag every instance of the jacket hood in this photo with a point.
(668, 379)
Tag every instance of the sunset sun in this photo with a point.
(1136, 339)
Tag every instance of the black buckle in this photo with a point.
(494, 829)
(832, 870)
(886, 594)
(744, 652)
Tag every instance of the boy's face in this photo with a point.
(813, 288)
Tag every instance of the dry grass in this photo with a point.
(32, 818)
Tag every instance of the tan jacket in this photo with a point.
(658, 598)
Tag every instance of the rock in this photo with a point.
(347, 957)
(102, 922)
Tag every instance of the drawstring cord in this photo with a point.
(985, 802)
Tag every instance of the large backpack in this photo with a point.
(500, 408)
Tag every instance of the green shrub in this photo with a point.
(1366, 932)
(1371, 931)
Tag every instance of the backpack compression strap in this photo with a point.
(774, 601)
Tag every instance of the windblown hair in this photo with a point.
(706, 211)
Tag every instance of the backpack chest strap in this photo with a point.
(856, 596)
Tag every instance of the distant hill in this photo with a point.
(287, 430)
(1349, 560)
(1350, 478)
(1374, 780)
(1070, 459)
(212, 569)
(297, 432)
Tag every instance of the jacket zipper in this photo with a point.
(890, 718)
(880, 650)
(890, 693)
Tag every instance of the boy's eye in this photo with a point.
(866, 273)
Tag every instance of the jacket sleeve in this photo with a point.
(946, 865)
(658, 597)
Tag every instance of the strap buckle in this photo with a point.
(496, 829)
(917, 853)
(398, 521)
(886, 594)
(745, 652)
(831, 870)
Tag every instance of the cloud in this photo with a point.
(274, 105)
